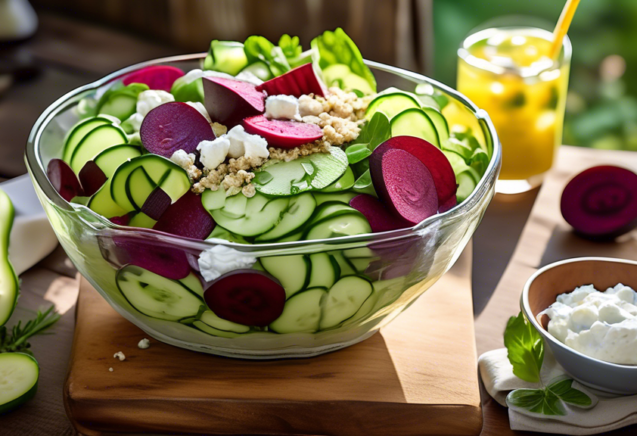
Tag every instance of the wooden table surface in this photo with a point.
(70, 54)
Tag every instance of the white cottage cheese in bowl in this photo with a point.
(602, 325)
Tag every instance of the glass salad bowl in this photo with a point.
(386, 271)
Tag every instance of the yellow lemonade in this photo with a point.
(507, 73)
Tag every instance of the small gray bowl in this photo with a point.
(542, 289)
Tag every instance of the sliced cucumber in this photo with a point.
(358, 252)
(120, 101)
(346, 268)
(260, 215)
(360, 264)
(79, 131)
(346, 181)
(226, 57)
(96, 141)
(330, 210)
(9, 284)
(292, 271)
(212, 320)
(301, 314)
(415, 122)
(342, 225)
(142, 220)
(391, 104)
(213, 331)
(340, 197)
(163, 172)
(111, 158)
(324, 271)
(298, 211)
(103, 204)
(259, 69)
(220, 233)
(440, 123)
(19, 374)
(138, 187)
(292, 237)
(466, 185)
(192, 282)
(156, 296)
(309, 173)
(213, 200)
(344, 299)
(235, 206)
(364, 310)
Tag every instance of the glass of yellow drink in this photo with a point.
(507, 72)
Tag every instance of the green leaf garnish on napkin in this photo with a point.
(550, 400)
(525, 347)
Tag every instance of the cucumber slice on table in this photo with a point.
(343, 300)
(157, 296)
(79, 131)
(298, 211)
(309, 173)
(325, 271)
(301, 314)
(102, 203)
(346, 181)
(96, 141)
(9, 284)
(111, 158)
(391, 104)
(19, 374)
(292, 271)
(415, 122)
(340, 197)
(250, 216)
(163, 172)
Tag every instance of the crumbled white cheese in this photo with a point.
(213, 153)
(282, 107)
(110, 369)
(200, 108)
(143, 344)
(135, 121)
(183, 159)
(220, 259)
(244, 144)
(149, 100)
(119, 355)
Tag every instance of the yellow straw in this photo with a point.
(562, 27)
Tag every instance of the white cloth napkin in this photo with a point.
(32, 238)
(610, 413)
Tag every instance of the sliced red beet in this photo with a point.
(229, 101)
(186, 217)
(165, 261)
(160, 77)
(121, 220)
(601, 202)
(156, 204)
(297, 82)
(448, 205)
(404, 184)
(284, 134)
(247, 297)
(174, 126)
(92, 178)
(64, 179)
(379, 217)
(435, 161)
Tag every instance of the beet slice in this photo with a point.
(435, 161)
(300, 81)
(186, 217)
(601, 202)
(379, 217)
(121, 220)
(229, 101)
(159, 77)
(284, 134)
(156, 203)
(449, 204)
(404, 184)
(64, 179)
(168, 262)
(92, 178)
(247, 297)
(174, 126)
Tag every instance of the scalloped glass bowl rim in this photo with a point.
(36, 168)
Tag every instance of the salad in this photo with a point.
(264, 144)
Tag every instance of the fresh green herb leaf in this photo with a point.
(290, 46)
(357, 152)
(336, 49)
(375, 131)
(17, 340)
(550, 401)
(563, 388)
(364, 185)
(258, 48)
(525, 348)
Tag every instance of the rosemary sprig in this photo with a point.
(17, 338)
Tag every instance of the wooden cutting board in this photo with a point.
(417, 377)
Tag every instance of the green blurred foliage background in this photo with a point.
(602, 103)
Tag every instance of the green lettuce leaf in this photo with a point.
(258, 48)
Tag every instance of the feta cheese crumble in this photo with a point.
(220, 259)
(119, 355)
(149, 100)
(201, 109)
(213, 153)
(244, 144)
(282, 107)
(602, 325)
(110, 369)
(143, 344)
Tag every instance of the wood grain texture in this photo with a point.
(418, 377)
(546, 238)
